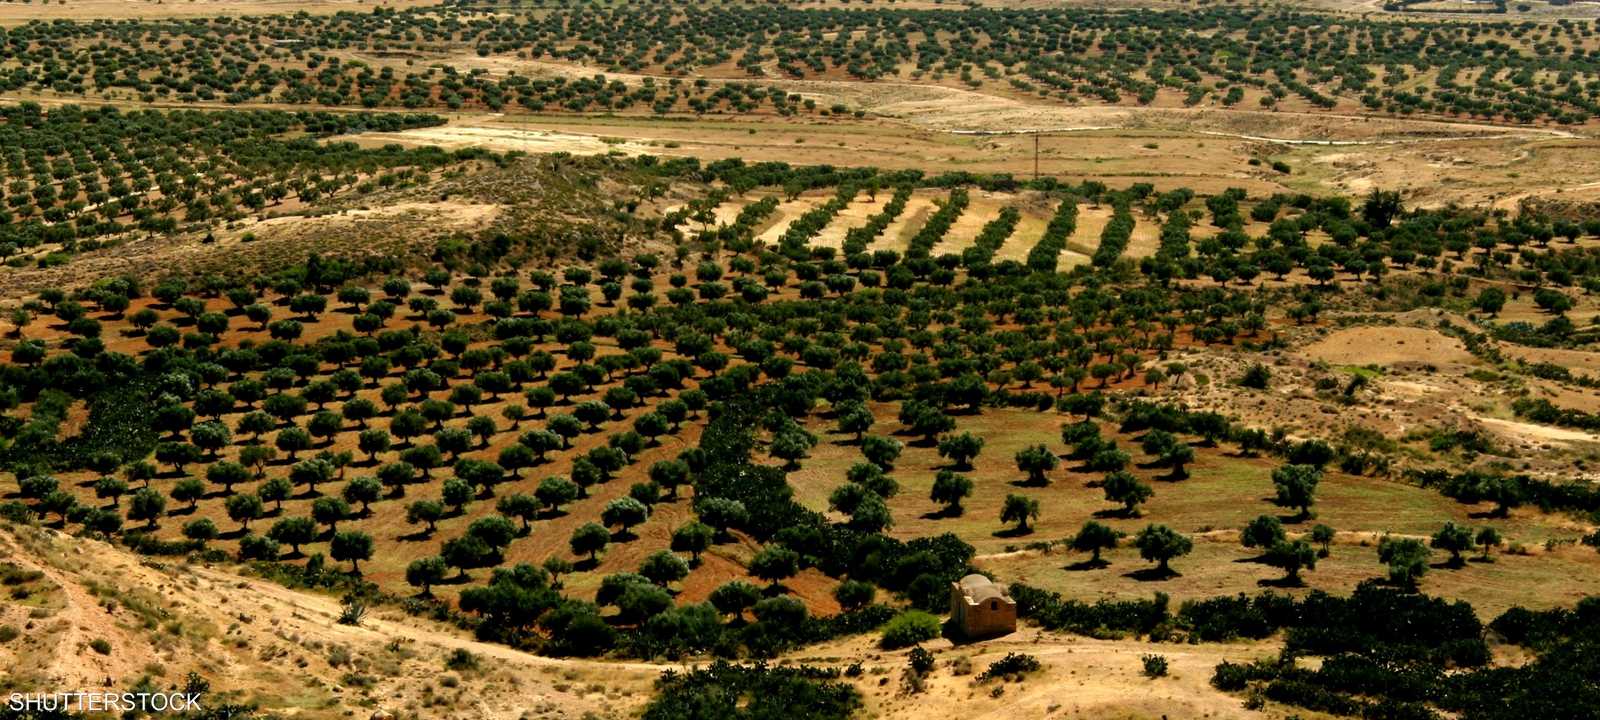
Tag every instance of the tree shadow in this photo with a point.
(1012, 532)
(1117, 513)
(1152, 574)
(460, 578)
(417, 536)
(1282, 582)
(904, 432)
(1086, 565)
(944, 513)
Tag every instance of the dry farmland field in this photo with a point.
(682, 361)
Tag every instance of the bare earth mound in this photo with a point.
(1388, 346)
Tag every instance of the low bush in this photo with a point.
(1011, 666)
(909, 628)
(746, 692)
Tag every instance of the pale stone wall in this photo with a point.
(978, 618)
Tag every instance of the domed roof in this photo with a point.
(975, 580)
(985, 592)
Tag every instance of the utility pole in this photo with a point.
(1036, 156)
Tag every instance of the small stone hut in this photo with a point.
(980, 608)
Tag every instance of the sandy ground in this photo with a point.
(1539, 433)
(1082, 678)
(854, 215)
(982, 207)
(1421, 383)
(1388, 346)
(1092, 223)
(724, 213)
(1581, 360)
(778, 222)
(444, 213)
(1500, 172)
(897, 236)
(503, 139)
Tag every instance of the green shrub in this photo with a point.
(909, 628)
(1012, 665)
(461, 659)
(725, 690)
(1231, 677)
(1258, 377)
(16, 512)
(351, 611)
